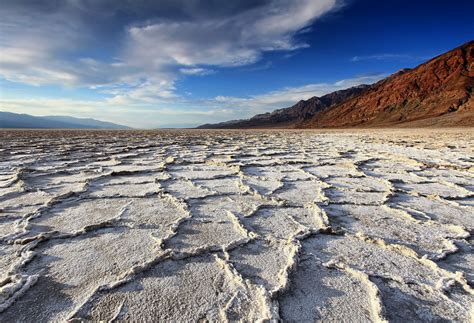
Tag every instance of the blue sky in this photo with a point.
(174, 63)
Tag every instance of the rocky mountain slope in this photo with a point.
(436, 93)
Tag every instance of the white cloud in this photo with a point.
(225, 41)
(52, 43)
(288, 96)
(195, 71)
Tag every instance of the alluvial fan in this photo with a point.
(232, 225)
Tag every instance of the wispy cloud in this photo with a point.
(196, 71)
(232, 40)
(387, 57)
(285, 97)
(159, 42)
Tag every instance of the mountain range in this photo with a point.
(435, 93)
(287, 117)
(16, 120)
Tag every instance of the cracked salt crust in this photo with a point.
(228, 225)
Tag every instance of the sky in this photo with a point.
(181, 63)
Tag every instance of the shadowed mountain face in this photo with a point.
(287, 117)
(436, 93)
(16, 120)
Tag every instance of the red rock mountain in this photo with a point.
(436, 93)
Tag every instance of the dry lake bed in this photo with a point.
(366, 225)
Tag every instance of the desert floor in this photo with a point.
(366, 225)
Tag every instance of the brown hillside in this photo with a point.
(440, 89)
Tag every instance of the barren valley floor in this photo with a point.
(365, 225)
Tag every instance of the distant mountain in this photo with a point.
(288, 117)
(436, 93)
(15, 120)
(87, 122)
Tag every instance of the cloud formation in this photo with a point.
(233, 40)
(137, 50)
(286, 97)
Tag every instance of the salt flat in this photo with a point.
(367, 225)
